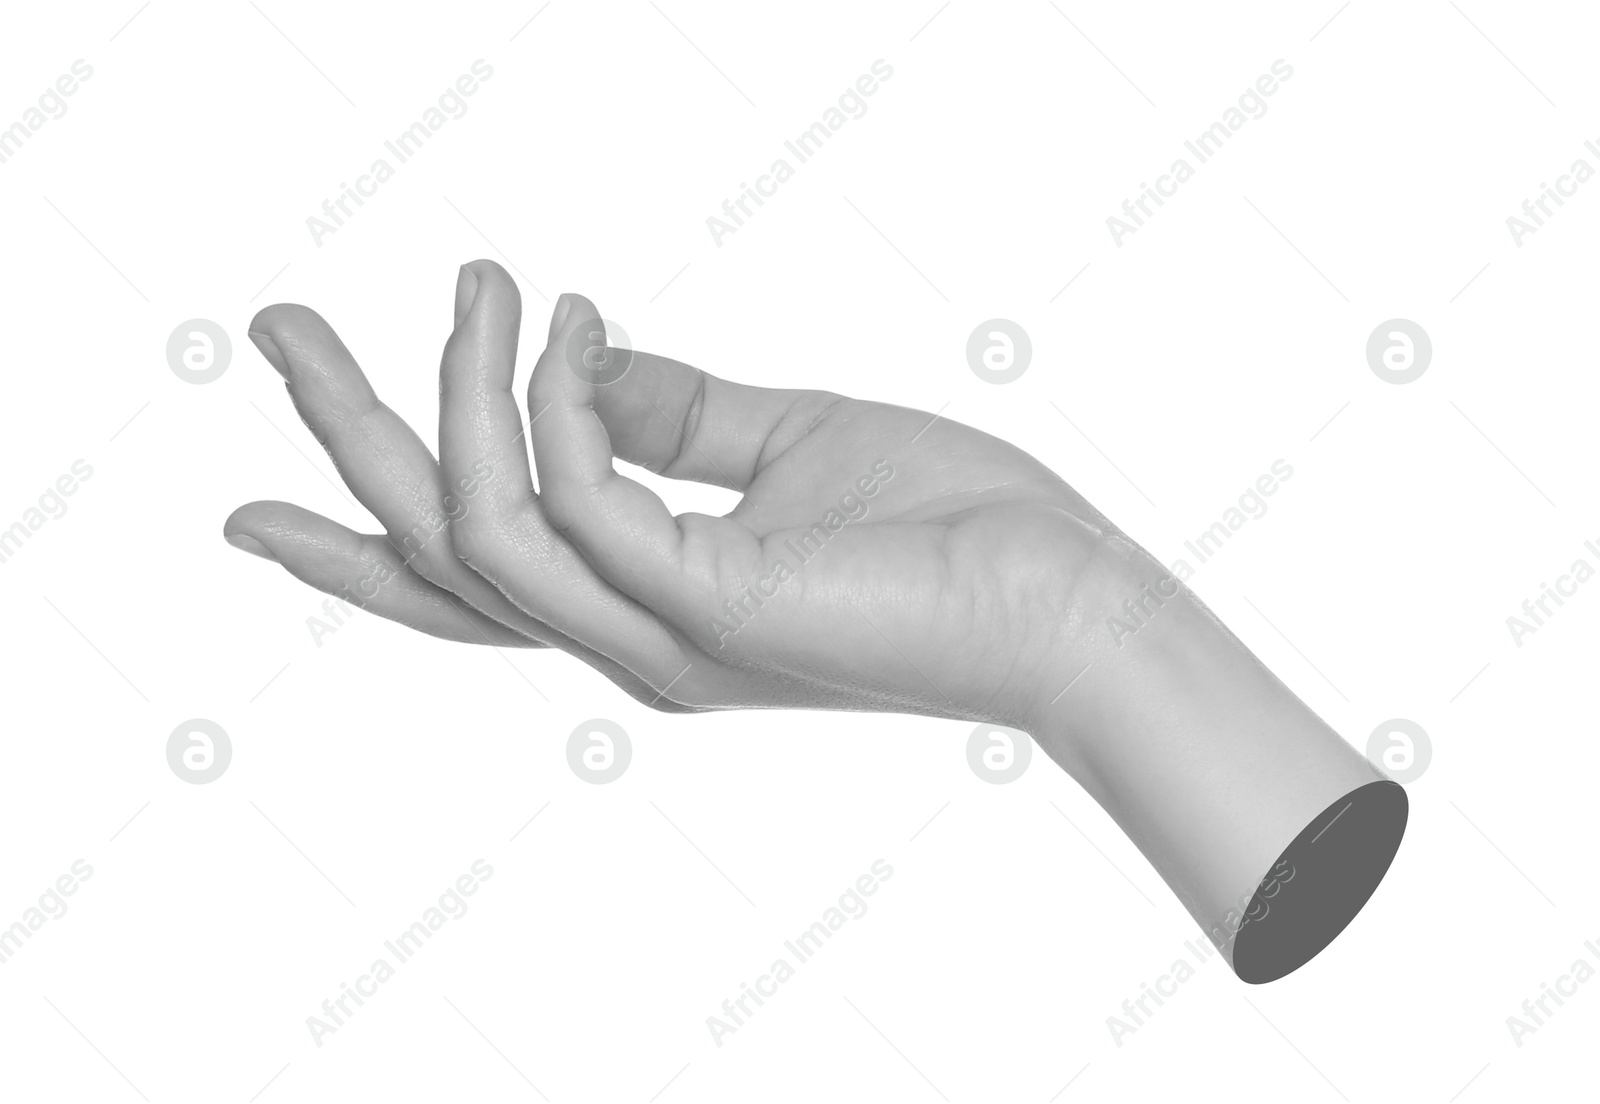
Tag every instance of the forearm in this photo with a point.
(1214, 768)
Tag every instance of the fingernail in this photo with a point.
(244, 542)
(466, 294)
(559, 318)
(269, 349)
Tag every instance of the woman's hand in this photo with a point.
(881, 558)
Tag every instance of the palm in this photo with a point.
(915, 601)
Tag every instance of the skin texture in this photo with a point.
(925, 568)
(950, 590)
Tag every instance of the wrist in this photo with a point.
(1214, 768)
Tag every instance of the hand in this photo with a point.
(881, 558)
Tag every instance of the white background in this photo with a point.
(1222, 336)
